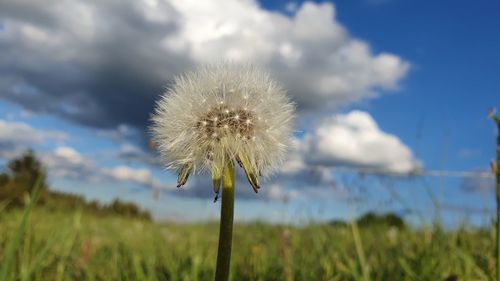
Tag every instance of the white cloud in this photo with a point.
(355, 140)
(66, 162)
(69, 154)
(15, 137)
(78, 58)
(121, 133)
(140, 176)
(311, 52)
(125, 173)
(277, 192)
(13, 132)
(132, 153)
(295, 160)
(102, 63)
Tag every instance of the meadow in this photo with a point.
(43, 244)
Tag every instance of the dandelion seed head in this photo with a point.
(212, 115)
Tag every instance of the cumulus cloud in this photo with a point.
(102, 63)
(133, 153)
(18, 136)
(355, 140)
(66, 162)
(124, 173)
(352, 140)
(13, 132)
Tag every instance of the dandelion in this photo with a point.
(223, 114)
(218, 116)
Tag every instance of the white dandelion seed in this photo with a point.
(220, 113)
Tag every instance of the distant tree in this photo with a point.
(394, 220)
(338, 223)
(389, 219)
(94, 206)
(26, 170)
(4, 179)
(20, 179)
(22, 175)
(128, 209)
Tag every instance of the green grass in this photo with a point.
(78, 246)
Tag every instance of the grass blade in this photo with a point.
(15, 241)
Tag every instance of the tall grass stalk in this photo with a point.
(42, 254)
(122, 248)
(365, 269)
(4, 204)
(497, 174)
(15, 241)
(226, 224)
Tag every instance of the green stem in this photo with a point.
(226, 224)
(365, 269)
(497, 121)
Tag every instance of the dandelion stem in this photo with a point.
(226, 224)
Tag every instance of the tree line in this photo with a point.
(18, 181)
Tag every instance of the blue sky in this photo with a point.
(417, 77)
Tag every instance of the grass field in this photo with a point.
(78, 246)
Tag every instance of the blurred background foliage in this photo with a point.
(66, 238)
(18, 181)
